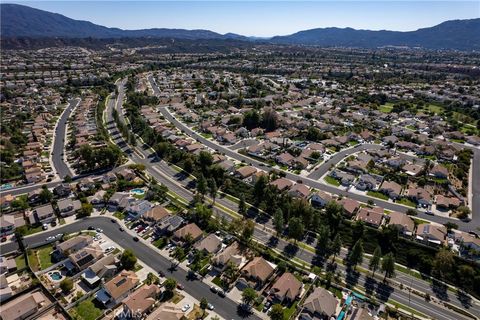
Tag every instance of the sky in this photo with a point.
(263, 18)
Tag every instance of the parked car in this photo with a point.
(210, 306)
(214, 289)
(135, 239)
(185, 307)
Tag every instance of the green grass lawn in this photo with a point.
(44, 257)
(332, 181)
(386, 108)
(86, 310)
(407, 202)
(32, 230)
(410, 127)
(435, 109)
(353, 143)
(288, 312)
(119, 215)
(206, 135)
(377, 194)
(20, 261)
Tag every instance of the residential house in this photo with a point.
(138, 208)
(284, 158)
(392, 189)
(439, 171)
(320, 199)
(282, 183)
(6, 200)
(155, 214)
(169, 224)
(420, 195)
(7, 265)
(43, 214)
(141, 301)
(190, 230)
(62, 190)
(119, 201)
(118, 288)
(127, 174)
(210, 244)
(401, 221)
(258, 270)
(430, 233)
(371, 217)
(105, 268)
(345, 178)
(299, 191)
(24, 306)
(98, 199)
(7, 224)
(286, 288)
(320, 304)
(167, 311)
(231, 254)
(245, 172)
(68, 207)
(350, 206)
(446, 203)
(84, 257)
(366, 182)
(74, 244)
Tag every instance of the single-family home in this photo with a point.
(320, 304)
(68, 207)
(286, 288)
(231, 254)
(299, 191)
(118, 288)
(24, 306)
(103, 269)
(320, 199)
(43, 214)
(210, 244)
(282, 183)
(391, 188)
(402, 222)
(190, 230)
(430, 233)
(141, 301)
(371, 217)
(258, 270)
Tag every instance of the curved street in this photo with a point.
(58, 150)
(225, 307)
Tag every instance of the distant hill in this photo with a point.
(454, 34)
(22, 21)
(18, 21)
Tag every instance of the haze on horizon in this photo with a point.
(263, 18)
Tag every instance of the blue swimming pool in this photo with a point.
(138, 191)
(55, 275)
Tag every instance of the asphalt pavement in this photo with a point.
(58, 157)
(225, 307)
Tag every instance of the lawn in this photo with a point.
(119, 215)
(44, 257)
(435, 109)
(219, 282)
(86, 310)
(197, 313)
(353, 143)
(332, 181)
(20, 261)
(407, 202)
(377, 194)
(386, 108)
(31, 230)
(288, 312)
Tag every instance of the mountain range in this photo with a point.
(19, 21)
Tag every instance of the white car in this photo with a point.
(185, 307)
(210, 306)
(99, 230)
(50, 238)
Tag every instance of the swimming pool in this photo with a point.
(55, 275)
(138, 191)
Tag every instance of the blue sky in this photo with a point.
(263, 18)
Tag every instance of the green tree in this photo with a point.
(242, 207)
(277, 312)
(170, 284)
(66, 285)
(202, 185)
(248, 229)
(375, 260)
(278, 222)
(45, 195)
(179, 253)
(248, 296)
(388, 265)
(336, 246)
(128, 259)
(323, 238)
(356, 254)
(213, 189)
(203, 305)
(86, 210)
(443, 263)
(296, 229)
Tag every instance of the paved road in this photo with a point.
(225, 307)
(59, 142)
(476, 188)
(266, 238)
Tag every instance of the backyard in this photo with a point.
(86, 310)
